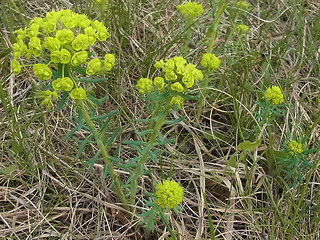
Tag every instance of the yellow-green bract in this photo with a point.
(274, 95)
(169, 194)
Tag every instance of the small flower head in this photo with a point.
(159, 64)
(159, 82)
(274, 95)
(62, 56)
(241, 28)
(190, 9)
(210, 61)
(177, 101)
(42, 71)
(169, 194)
(47, 97)
(62, 84)
(295, 148)
(79, 58)
(242, 4)
(78, 93)
(64, 36)
(109, 61)
(177, 87)
(93, 66)
(144, 85)
(15, 67)
(178, 75)
(52, 44)
(81, 42)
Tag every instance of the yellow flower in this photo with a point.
(169, 194)
(241, 28)
(52, 44)
(81, 42)
(242, 4)
(177, 87)
(109, 61)
(177, 101)
(159, 82)
(190, 9)
(78, 93)
(47, 95)
(274, 95)
(19, 48)
(62, 56)
(62, 84)
(79, 58)
(210, 61)
(144, 85)
(93, 66)
(64, 36)
(15, 67)
(42, 71)
(295, 148)
(35, 46)
(159, 64)
(91, 33)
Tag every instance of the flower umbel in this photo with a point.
(210, 61)
(78, 93)
(241, 28)
(274, 95)
(144, 85)
(169, 194)
(295, 148)
(190, 9)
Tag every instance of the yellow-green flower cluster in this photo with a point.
(274, 95)
(169, 194)
(61, 37)
(178, 76)
(190, 9)
(242, 4)
(295, 148)
(210, 61)
(144, 85)
(47, 97)
(241, 28)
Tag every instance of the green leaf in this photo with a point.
(62, 101)
(145, 132)
(82, 145)
(151, 119)
(8, 170)
(104, 115)
(232, 161)
(248, 146)
(79, 70)
(174, 121)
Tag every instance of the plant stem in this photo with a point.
(187, 38)
(304, 190)
(145, 156)
(104, 154)
(270, 151)
(201, 101)
(213, 28)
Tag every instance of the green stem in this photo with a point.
(213, 28)
(201, 101)
(104, 154)
(187, 38)
(270, 155)
(145, 156)
(303, 192)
